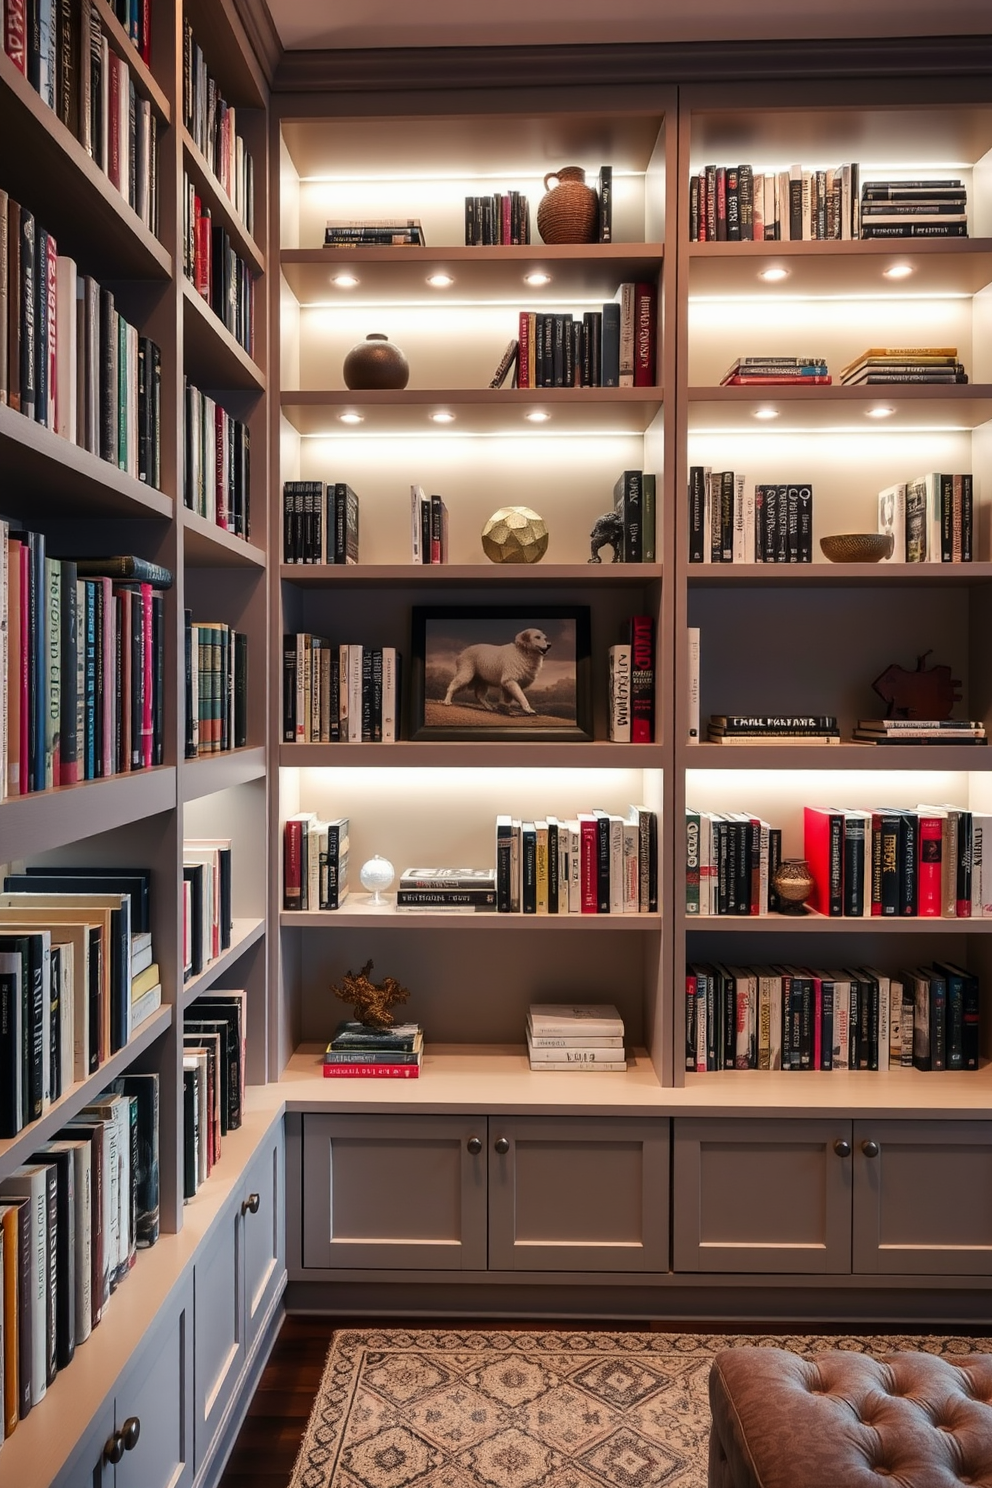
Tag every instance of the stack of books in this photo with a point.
(760, 371)
(567, 1036)
(730, 862)
(374, 232)
(920, 731)
(359, 1052)
(497, 220)
(634, 498)
(462, 889)
(315, 866)
(914, 209)
(880, 365)
(428, 527)
(731, 521)
(213, 1080)
(754, 728)
(319, 526)
(931, 518)
(735, 203)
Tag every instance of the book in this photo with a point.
(586, 1019)
(640, 630)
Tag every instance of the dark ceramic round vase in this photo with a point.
(375, 363)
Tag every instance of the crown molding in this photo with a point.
(263, 37)
(417, 69)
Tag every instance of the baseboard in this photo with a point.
(222, 1445)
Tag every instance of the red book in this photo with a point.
(588, 863)
(506, 234)
(929, 899)
(645, 335)
(146, 32)
(202, 269)
(220, 446)
(292, 873)
(823, 847)
(114, 127)
(13, 33)
(523, 352)
(147, 675)
(51, 289)
(786, 380)
(123, 600)
(721, 202)
(641, 641)
(371, 1071)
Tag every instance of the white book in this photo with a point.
(389, 695)
(67, 1011)
(302, 690)
(354, 695)
(66, 352)
(750, 525)
(142, 1007)
(746, 1008)
(707, 867)
(707, 514)
(417, 498)
(30, 1181)
(103, 1112)
(764, 831)
(587, 1018)
(631, 872)
(693, 681)
(625, 294)
(841, 1049)
(574, 868)
(573, 1041)
(619, 694)
(895, 1022)
(845, 201)
(807, 179)
(884, 992)
(616, 864)
(572, 1054)
(741, 552)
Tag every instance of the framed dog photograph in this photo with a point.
(501, 672)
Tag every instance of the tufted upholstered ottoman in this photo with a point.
(844, 1420)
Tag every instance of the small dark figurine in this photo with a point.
(371, 1000)
(607, 532)
(921, 694)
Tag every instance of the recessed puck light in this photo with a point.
(537, 416)
(351, 418)
(899, 271)
(880, 411)
(345, 281)
(442, 417)
(772, 276)
(440, 281)
(537, 278)
(765, 413)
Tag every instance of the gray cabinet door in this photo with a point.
(264, 1235)
(576, 1194)
(218, 1330)
(157, 1392)
(762, 1196)
(923, 1197)
(398, 1192)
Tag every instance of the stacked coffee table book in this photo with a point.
(451, 890)
(575, 1037)
(359, 1052)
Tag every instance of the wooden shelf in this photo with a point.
(50, 173)
(234, 66)
(217, 772)
(357, 914)
(46, 819)
(848, 575)
(222, 208)
(212, 357)
(122, 44)
(599, 754)
(15, 1150)
(477, 410)
(812, 923)
(433, 575)
(481, 274)
(44, 473)
(948, 266)
(843, 756)
(828, 408)
(205, 545)
(244, 934)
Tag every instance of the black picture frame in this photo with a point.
(442, 633)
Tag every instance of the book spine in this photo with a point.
(642, 680)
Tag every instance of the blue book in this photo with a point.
(611, 345)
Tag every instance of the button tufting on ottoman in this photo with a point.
(844, 1420)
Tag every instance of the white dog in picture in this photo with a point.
(511, 667)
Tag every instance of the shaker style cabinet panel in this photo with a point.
(578, 1194)
(762, 1196)
(263, 1210)
(219, 1337)
(399, 1192)
(923, 1197)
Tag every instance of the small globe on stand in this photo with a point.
(515, 534)
(376, 876)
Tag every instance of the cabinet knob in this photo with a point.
(114, 1449)
(250, 1205)
(502, 1145)
(870, 1149)
(130, 1432)
(474, 1145)
(842, 1148)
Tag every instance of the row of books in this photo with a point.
(216, 691)
(916, 731)
(214, 1032)
(207, 898)
(763, 371)
(319, 525)
(573, 1038)
(72, 1218)
(764, 728)
(68, 359)
(634, 502)
(374, 232)
(931, 518)
(216, 463)
(857, 1018)
(731, 521)
(730, 861)
(428, 527)
(631, 684)
(67, 59)
(216, 271)
(359, 1052)
(936, 208)
(77, 977)
(315, 862)
(735, 203)
(928, 861)
(334, 693)
(595, 863)
(213, 125)
(612, 347)
(882, 365)
(136, 18)
(82, 675)
(496, 220)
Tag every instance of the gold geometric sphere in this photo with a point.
(515, 534)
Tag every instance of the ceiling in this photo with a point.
(302, 24)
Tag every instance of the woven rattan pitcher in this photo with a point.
(569, 213)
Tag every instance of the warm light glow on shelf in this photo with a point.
(765, 413)
(537, 416)
(440, 281)
(537, 279)
(899, 271)
(929, 296)
(525, 174)
(442, 416)
(880, 411)
(351, 418)
(773, 275)
(345, 281)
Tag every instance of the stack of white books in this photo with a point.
(575, 1036)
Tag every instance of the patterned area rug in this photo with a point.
(434, 1409)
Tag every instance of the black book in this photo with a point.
(144, 1091)
(728, 1018)
(345, 524)
(909, 850)
(745, 175)
(189, 711)
(606, 204)
(733, 204)
(885, 839)
(191, 1131)
(719, 839)
(796, 209)
(964, 863)
(213, 1034)
(44, 309)
(938, 1018)
(63, 1280)
(575, 354)
(774, 860)
(963, 1021)
(610, 345)
(697, 514)
(229, 1009)
(12, 1043)
(289, 689)
(109, 393)
(554, 865)
(727, 493)
(334, 866)
(826, 1023)
(45, 878)
(29, 313)
(804, 536)
(854, 864)
(558, 350)
(240, 689)
(528, 868)
(602, 861)
(193, 874)
(31, 946)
